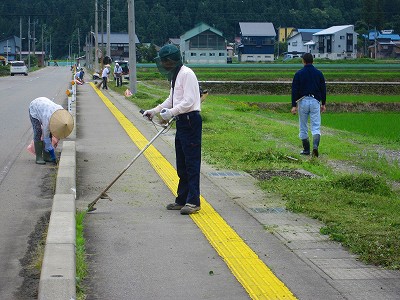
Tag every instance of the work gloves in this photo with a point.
(166, 114)
(149, 114)
(48, 147)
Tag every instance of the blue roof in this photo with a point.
(309, 30)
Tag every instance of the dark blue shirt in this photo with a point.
(308, 81)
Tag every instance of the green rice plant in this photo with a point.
(383, 126)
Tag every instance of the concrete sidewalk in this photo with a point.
(139, 250)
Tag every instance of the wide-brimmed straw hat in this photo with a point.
(61, 124)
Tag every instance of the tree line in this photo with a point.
(67, 23)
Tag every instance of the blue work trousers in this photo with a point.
(188, 157)
(309, 107)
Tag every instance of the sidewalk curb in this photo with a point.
(58, 273)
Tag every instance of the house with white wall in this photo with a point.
(301, 40)
(203, 45)
(336, 42)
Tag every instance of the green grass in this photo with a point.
(330, 98)
(384, 126)
(81, 265)
(359, 211)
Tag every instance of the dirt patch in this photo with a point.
(268, 174)
(31, 263)
(30, 270)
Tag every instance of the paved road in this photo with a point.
(26, 189)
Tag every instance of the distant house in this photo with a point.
(384, 49)
(119, 44)
(203, 45)
(384, 44)
(174, 41)
(10, 48)
(284, 33)
(257, 42)
(301, 41)
(336, 42)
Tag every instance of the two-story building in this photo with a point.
(119, 44)
(384, 44)
(203, 45)
(301, 41)
(10, 48)
(336, 42)
(257, 42)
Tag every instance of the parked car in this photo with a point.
(18, 67)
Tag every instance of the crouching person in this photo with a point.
(48, 119)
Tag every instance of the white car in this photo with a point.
(18, 67)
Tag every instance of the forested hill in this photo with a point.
(157, 20)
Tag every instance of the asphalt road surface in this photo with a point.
(26, 189)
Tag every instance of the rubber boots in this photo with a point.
(306, 147)
(39, 152)
(316, 138)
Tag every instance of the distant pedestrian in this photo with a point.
(183, 103)
(309, 98)
(104, 75)
(48, 119)
(79, 76)
(118, 75)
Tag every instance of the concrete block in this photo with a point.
(61, 228)
(57, 278)
(66, 180)
(64, 203)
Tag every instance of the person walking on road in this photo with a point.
(309, 98)
(48, 119)
(183, 104)
(118, 75)
(104, 75)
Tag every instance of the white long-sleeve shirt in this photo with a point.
(105, 73)
(186, 94)
(42, 109)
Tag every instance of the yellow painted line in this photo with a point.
(257, 279)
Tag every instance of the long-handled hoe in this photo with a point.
(103, 194)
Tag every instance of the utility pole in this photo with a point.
(29, 43)
(96, 34)
(108, 29)
(132, 46)
(20, 38)
(42, 47)
(79, 44)
(102, 39)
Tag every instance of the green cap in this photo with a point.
(169, 52)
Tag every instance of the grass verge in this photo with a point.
(353, 196)
(81, 265)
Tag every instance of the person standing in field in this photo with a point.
(309, 99)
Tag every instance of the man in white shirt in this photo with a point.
(104, 75)
(118, 75)
(183, 104)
